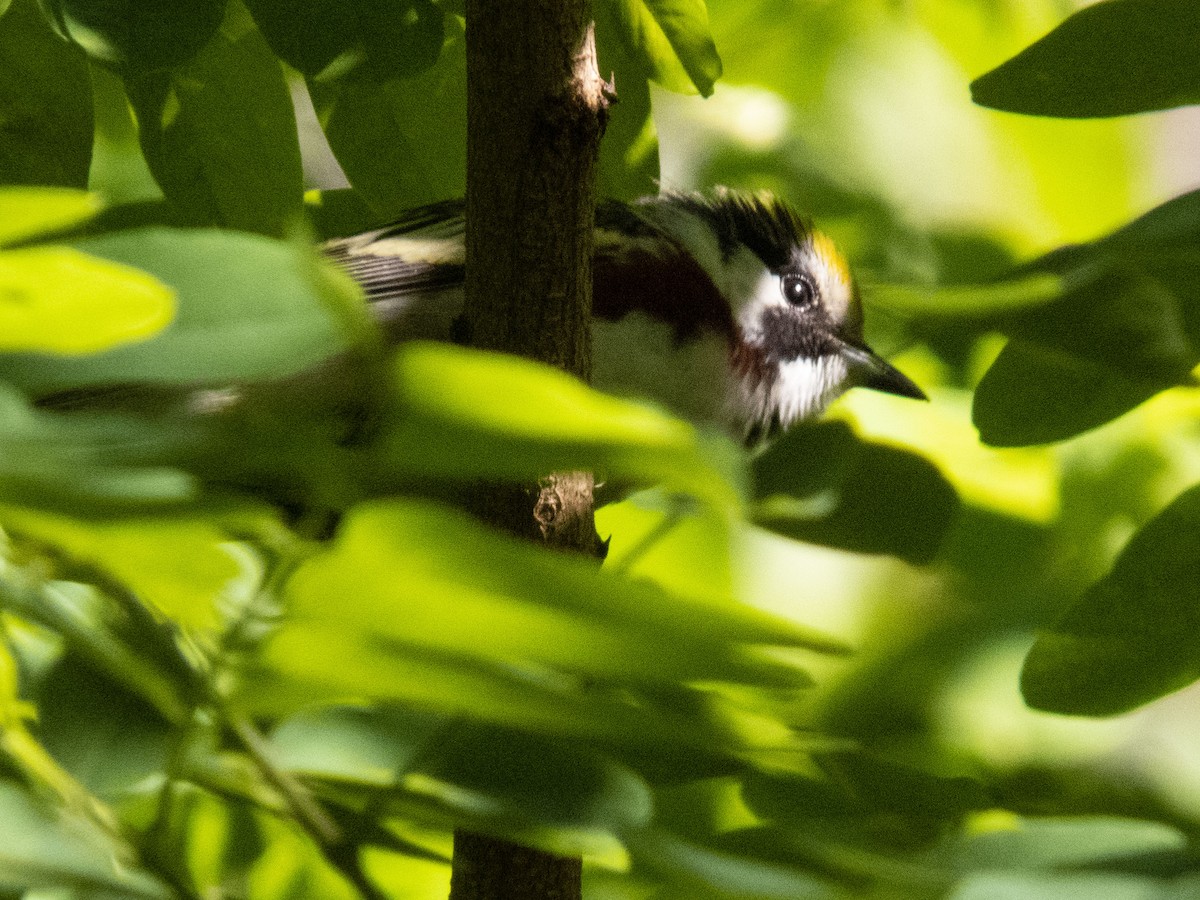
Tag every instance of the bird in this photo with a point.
(725, 307)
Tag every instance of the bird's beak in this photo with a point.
(869, 369)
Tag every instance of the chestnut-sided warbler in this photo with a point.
(725, 307)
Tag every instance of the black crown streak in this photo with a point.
(762, 222)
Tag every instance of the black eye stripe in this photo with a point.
(798, 289)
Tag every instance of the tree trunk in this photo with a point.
(535, 112)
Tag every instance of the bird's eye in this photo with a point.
(799, 290)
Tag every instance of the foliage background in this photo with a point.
(205, 696)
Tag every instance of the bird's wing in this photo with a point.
(418, 254)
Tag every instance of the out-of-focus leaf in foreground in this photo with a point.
(1109, 59)
(41, 851)
(28, 212)
(531, 420)
(420, 605)
(1126, 327)
(218, 335)
(1135, 634)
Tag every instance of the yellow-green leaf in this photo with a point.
(29, 212)
(59, 300)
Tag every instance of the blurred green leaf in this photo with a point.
(1035, 395)
(219, 133)
(442, 614)
(532, 420)
(401, 142)
(671, 40)
(29, 212)
(1110, 59)
(970, 299)
(823, 483)
(84, 462)
(43, 852)
(183, 566)
(366, 745)
(45, 104)
(63, 302)
(500, 779)
(704, 871)
(1133, 636)
(105, 736)
(1060, 843)
(136, 34)
(249, 308)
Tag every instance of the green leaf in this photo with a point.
(1126, 327)
(1037, 395)
(628, 166)
(219, 133)
(29, 212)
(967, 299)
(1109, 59)
(823, 483)
(41, 851)
(184, 566)
(105, 736)
(724, 874)
(57, 300)
(359, 744)
(671, 40)
(248, 308)
(1061, 843)
(134, 34)
(495, 778)
(1135, 634)
(401, 142)
(45, 104)
(88, 463)
(438, 612)
(534, 419)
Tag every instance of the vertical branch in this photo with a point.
(535, 113)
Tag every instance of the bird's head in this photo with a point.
(796, 335)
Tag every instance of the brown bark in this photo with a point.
(535, 113)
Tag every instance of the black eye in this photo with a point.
(799, 290)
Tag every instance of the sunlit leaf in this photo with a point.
(220, 133)
(182, 566)
(533, 419)
(45, 104)
(248, 307)
(60, 301)
(28, 212)
(671, 39)
(1109, 59)
(1133, 636)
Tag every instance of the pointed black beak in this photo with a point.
(870, 370)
